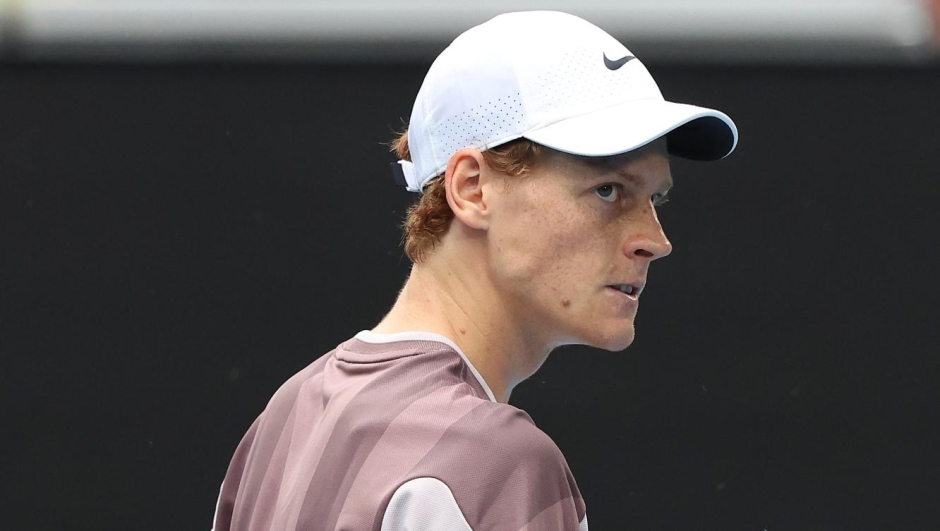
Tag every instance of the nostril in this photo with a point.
(643, 252)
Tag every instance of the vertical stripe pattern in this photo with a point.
(338, 439)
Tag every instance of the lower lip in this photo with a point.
(624, 298)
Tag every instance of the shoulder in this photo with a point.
(429, 504)
(287, 393)
(502, 436)
(502, 469)
(424, 503)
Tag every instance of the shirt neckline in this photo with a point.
(369, 336)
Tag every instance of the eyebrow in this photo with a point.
(640, 181)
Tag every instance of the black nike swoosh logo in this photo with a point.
(613, 65)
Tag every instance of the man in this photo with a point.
(540, 145)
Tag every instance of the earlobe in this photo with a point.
(463, 181)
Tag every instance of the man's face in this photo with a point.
(569, 239)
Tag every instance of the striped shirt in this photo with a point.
(395, 432)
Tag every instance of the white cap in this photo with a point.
(556, 80)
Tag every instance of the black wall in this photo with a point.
(175, 241)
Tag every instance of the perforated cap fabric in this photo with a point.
(557, 80)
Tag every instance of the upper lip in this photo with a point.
(636, 285)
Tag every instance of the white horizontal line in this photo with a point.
(867, 24)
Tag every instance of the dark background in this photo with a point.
(177, 240)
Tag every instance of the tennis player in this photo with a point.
(540, 146)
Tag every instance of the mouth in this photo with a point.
(630, 290)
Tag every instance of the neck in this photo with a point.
(438, 298)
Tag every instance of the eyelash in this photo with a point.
(658, 199)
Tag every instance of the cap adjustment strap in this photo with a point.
(403, 173)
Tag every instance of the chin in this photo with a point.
(612, 340)
(620, 344)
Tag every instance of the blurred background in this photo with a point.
(195, 203)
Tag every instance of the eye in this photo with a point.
(660, 199)
(608, 192)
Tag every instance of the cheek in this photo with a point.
(521, 246)
(548, 252)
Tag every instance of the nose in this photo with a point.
(647, 239)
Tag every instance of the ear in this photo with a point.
(463, 182)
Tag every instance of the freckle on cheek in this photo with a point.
(463, 331)
(565, 303)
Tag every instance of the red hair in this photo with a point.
(429, 218)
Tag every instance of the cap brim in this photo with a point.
(692, 132)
